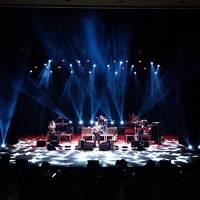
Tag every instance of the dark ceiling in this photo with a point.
(104, 3)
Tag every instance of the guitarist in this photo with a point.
(96, 130)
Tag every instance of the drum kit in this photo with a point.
(141, 125)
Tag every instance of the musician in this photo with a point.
(59, 123)
(96, 130)
(134, 118)
(135, 123)
(52, 128)
(103, 123)
(101, 120)
(140, 132)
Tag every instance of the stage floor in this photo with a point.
(68, 155)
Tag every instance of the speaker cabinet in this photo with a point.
(81, 144)
(41, 143)
(155, 133)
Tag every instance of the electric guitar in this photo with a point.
(97, 130)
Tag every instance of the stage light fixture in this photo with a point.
(112, 122)
(3, 145)
(190, 147)
(80, 122)
(121, 122)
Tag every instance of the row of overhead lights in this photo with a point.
(94, 66)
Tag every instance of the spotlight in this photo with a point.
(190, 147)
(3, 148)
(80, 122)
(91, 121)
(121, 122)
(112, 122)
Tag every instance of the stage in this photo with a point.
(35, 149)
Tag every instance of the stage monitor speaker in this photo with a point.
(104, 146)
(93, 163)
(54, 142)
(141, 147)
(50, 147)
(41, 143)
(135, 144)
(145, 143)
(88, 146)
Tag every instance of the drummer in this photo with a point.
(59, 123)
(134, 119)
